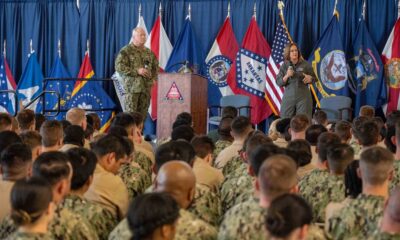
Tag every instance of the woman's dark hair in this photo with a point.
(352, 182)
(30, 198)
(151, 211)
(286, 213)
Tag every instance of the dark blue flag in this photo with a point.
(329, 63)
(64, 88)
(186, 49)
(31, 84)
(367, 71)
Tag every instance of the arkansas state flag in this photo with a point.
(391, 60)
(219, 61)
(248, 73)
(159, 43)
(7, 103)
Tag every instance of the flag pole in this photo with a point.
(229, 10)
(255, 11)
(87, 47)
(31, 46)
(335, 12)
(59, 48)
(160, 10)
(363, 9)
(140, 11)
(190, 13)
(4, 49)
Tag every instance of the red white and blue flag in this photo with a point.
(7, 82)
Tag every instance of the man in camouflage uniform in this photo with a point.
(138, 66)
(324, 186)
(359, 219)
(178, 178)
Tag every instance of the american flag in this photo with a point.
(7, 82)
(273, 92)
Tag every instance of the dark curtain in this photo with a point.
(107, 24)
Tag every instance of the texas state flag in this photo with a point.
(219, 61)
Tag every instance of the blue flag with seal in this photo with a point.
(64, 88)
(31, 84)
(367, 71)
(186, 55)
(329, 64)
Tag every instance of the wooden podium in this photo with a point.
(178, 93)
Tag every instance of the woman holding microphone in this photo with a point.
(295, 74)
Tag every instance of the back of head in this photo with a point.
(376, 164)
(278, 175)
(52, 166)
(367, 133)
(186, 117)
(324, 141)
(302, 150)
(64, 124)
(76, 116)
(83, 162)
(51, 132)
(272, 132)
(313, 132)
(241, 126)
(184, 132)
(229, 111)
(118, 131)
(357, 122)
(392, 118)
(30, 199)
(74, 134)
(109, 144)
(7, 138)
(96, 124)
(320, 117)
(15, 161)
(26, 119)
(31, 138)
(352, 181)
(287, 213)
(224, 128)
(124, 120)
(151, 211)
(282, 125)
(180, 122)
(299, 123)
(39, 120)
(203, 146)
(367, 111)
(343, 130)
(393, 206)
(138, 118)
(174, 150)
(339, 156)
(260, 154)
(5, 122)
(255, 139)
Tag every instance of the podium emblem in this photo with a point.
(173, 93)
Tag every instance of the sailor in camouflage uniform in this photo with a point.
(138, 66)
(359, 219)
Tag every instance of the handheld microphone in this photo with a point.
(146, 64)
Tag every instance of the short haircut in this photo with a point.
(391, 132)
(339, 156)
(74, 134)
(278, 174)
(287, 213)
(76, 116)
(15, 158)
(240, 125)
(150, 211)
(184, 132)
(320, 117)
(203, 146)
(30, 199)
(324, 141)
(392, 118)
(313, 132)
(229, 111)
(65, 124)
(224, 128)
(299, 123)
(185, 116)
(367, 133)
(7, 138)
(31, 138)
(124, 120)
(255, 139)
(39, 120)
(138, 118)
(83, 162)
(261, 153)
(118, 131)
(25, 119)
(52, 166)
(5, 121)
(180, 122)
(375, 165)
(109, 144)
(174, 150)
(352, 181)
(52, 132)
(302, 150)
(357, 122)
(367, 111)
(343, 130)
(282, 125)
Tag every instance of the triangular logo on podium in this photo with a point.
(173, 93)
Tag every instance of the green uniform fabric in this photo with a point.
(319, 188)
(219, 146)
(100, 219)
(379, 235)
(129, 60)
(357, 220)
(396, 175)
(29, 236)
(297, 97)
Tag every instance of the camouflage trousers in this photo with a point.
(138, 102)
